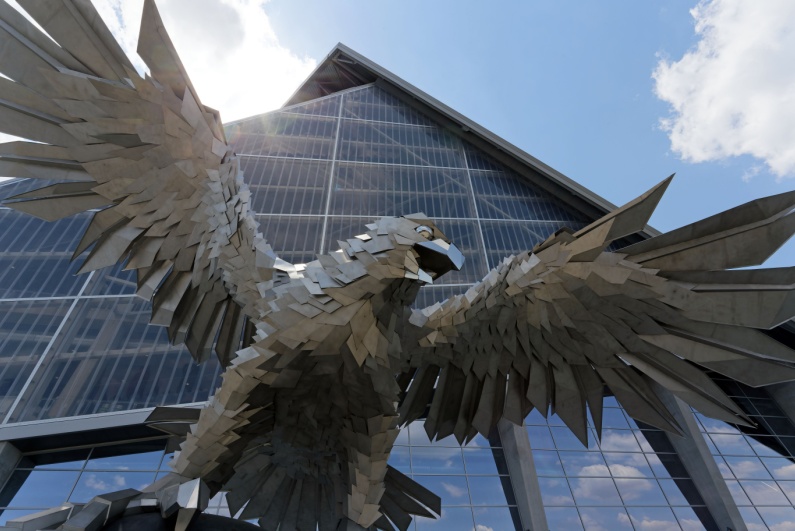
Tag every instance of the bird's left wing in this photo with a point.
(144, 154)
(553, 328)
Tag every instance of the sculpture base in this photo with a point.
(154, 522)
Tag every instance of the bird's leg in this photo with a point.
(369, 443)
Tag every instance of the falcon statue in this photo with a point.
(324, 362)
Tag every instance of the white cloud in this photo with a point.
(228, 47)
(93, 482)
(648, 524)
(452, 490)
(481, 527)
(734, 92)
(624, 471)
(785, 472)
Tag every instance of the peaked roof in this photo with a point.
(343, 68)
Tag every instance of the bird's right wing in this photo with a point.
(555, 327)
(145, 155)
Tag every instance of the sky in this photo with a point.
(616, 95)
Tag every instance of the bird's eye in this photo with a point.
(425, 231)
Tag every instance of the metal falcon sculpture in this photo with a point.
(332, 361)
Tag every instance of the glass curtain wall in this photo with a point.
(758, 464)
(79, 344)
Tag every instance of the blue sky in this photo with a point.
(572, 83)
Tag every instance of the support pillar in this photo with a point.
(783, 395)
(9, 457)
(700, 465)
(522, 471)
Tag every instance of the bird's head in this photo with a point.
(411, 247)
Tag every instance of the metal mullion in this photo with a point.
(333, 168)
(384, 121)
(347, 161)
(469, 487)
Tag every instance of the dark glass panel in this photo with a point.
(398, 144)
(386, 190)
(286, 135)
(285, 186)
(35, 255)
(109, 359)
(26, 327)
(295, 239)
(373, 103)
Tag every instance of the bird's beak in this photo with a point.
(439, 257)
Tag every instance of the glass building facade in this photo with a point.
(79, 347)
